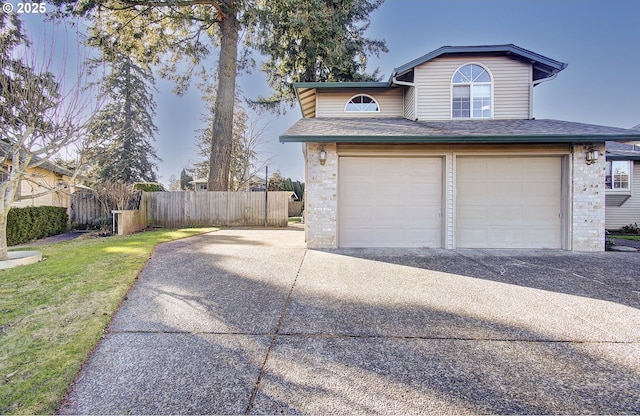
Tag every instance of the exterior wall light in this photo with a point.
(323, 156)
(592, 156)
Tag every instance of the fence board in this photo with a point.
(85, 208)
(189, 208)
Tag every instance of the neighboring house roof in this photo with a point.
(622, 151)
(199, 181)
(384, 130)
(6, 148)
(543, 67)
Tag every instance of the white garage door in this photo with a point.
(508, 202)
(390, 202)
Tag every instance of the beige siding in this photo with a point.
(331, 103)
(35, 190)
(410, 103)
(511, 87)
(629, 212)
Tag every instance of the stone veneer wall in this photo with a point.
(321, 204)
(588, 202)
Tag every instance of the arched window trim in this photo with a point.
(377, 110)
(491, 84)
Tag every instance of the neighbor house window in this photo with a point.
(362, 103)
(618, 175)
(471, 95)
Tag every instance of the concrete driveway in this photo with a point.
(249, 321)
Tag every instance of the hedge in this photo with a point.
(148, 187)
(30, 223)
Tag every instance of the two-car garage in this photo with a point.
(487, 201)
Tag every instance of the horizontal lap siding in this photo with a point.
(629, 212)
(332, 103)
(410, 103)
(511, 80)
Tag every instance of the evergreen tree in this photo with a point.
(312, 41)
(185, 178)
(123, 131)
(185, 30)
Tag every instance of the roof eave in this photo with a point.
(453, 139)
(555, 66)
(340, 85)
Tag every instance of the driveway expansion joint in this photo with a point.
(275, 337)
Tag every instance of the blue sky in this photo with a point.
(600, 40)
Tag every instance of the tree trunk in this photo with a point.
(4, 253)
(221, 143)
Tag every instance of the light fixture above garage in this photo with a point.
(592, 156)
(323, 156)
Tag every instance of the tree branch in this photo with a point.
(161, 3)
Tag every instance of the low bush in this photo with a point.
(631, 229)
(30, 223)
(148, 187)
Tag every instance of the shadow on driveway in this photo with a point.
(249, 321)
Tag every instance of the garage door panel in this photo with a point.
(358, 190)
(356, 214)
(404, 202)
(518, 208)
(391, 192)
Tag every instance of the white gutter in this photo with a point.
(415, 94)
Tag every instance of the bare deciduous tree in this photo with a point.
(39, 116)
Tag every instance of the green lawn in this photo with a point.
(53, 313)
(625, 237)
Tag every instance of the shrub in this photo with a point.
(148, 187)
(30, 223)
(103, 224)
(631, 229)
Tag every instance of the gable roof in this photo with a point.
(543, 67)
(400, 130)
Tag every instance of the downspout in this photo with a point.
(533, 84)
(415, 94)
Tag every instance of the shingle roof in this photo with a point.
(622, 151)
(5, 148)
(543, 67)
(389, 130)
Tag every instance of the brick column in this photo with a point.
(588, 203)
(321, 189)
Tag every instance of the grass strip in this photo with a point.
(53, 313)
(625, 237)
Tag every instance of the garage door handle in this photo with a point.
(559, 214)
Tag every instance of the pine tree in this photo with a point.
(313, 41)
(123, 131)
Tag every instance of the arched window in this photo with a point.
(362, 103)
(471, 92)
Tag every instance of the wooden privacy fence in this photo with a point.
(85, 208)
(188, 208)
